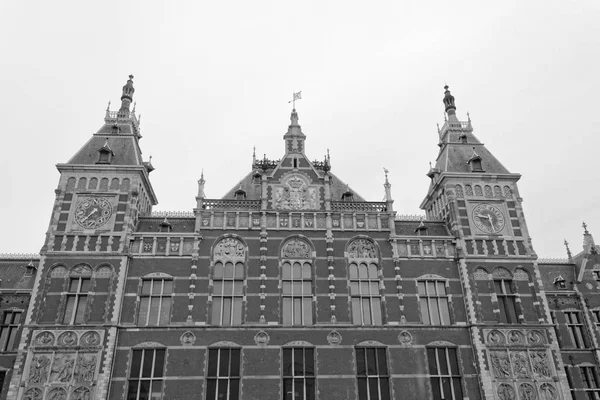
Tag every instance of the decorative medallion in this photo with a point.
(296, 248)
(548, 392)
(308, 223)
(535, 337)
(334, 338)
(360, 224)
(495, 337)
(57, 394)
(205, 221)
(296, 222)
(68, 338)
(261, 338)
(488, 218)
(90, 339)
(361, 248)
(230, 247)
(147, 246)
(81, 393)
(283, 222)
(188, 339)
(295, 194)
(506, 392)
(256, 221)
(33, 394)
(174, 246)
(405, 338)
(527, 392)
(44, 339)
(515, 337)
(335, 222)
(93, 212)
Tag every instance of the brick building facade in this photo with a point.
(293, 286)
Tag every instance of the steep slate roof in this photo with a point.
(12, 272)
(126, 149)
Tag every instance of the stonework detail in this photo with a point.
(405, 338)
(361, 248)
(261, 338)
(506, 392)
(188, 339)
(334, 338)
(296, 248)
(294, 193)
(230, 247)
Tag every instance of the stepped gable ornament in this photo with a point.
(68, 338)
(44, 339)
(295, 194)
(295, 248)
(334, 338)
(188, 339)
(90, 339)
(362, 248)
(230, 247)
(262, 338)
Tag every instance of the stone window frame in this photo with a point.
(219, 347)
(379, 348)
(303, 346)
(144, 347)
(435, 278)
(10, 327)
(460, 376)
(155, 276)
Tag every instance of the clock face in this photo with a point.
(488, 218)
(93, 212)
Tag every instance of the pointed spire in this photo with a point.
(589, 246)
(450, 107)
(253, 156)
(201, 183)
(126, 98)
(569, 255)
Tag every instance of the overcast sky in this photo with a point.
(213, 79)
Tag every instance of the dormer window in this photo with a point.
(475, 162)
(421, 229)
(559, 282)
(240, 194)
(463, 138)
(596, 274)
(256, 179)
(105, 154)
(348, 196)
(295, 163)
(165, 226)
(30, 269)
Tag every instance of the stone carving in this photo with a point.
(294, 194)
(334, 338)
(501, 273)
(38, 370)
(81, 393)
(371, 343)
(44, 339)
(33, 394)
(68, 338)
(262, 338)
(405, 338)
(495, 337)
(90, 339)
(82, 270)
(295, 248)
(58, 272)
(86, 368)
(536, 337)
(521, 275)
(480, 275)
(298, 343)
(230, 247)
(500, 364)
(57, 394)
(540, 365)
(506, 392)
(362, 248)
(520, 363)
(548, 392)
(174, 247)
(515, 337)
(527, 392)
(188, 339)
(62, 368)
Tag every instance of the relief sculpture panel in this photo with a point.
(294, 193)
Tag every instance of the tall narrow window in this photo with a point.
(596, 318)
(155, 302)
(372, 373)
(297, 293)
(298, 373)
(575, 327)
(146, 376)
(8, 331)
(227, 293)
(223, 376)
(364, 291)
(77, 298)
(589, 377)
(434, 302)
(445, 376)
(506, 301)
(570, 380)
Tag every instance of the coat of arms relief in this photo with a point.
(295, 194)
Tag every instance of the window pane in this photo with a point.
(441, 288)
(373, 389)
(218, 274)
(239, 271)
(434, 312)
(360, 362)
(436, 388)
(222, 389)
(376, 311)
(286, 271)
(366, 311)
(7, 318)
(3, 338)
(307, 288)
(443, 362)
(167, 287)
(287, 287)
(385, 388)
(297, 271)
(298, 361)
(228, 270)
(287, 311)
(498, 287)
(307, 311)
(69, 309)
(144, 390)
(11, 339)
(431, 358)
(310, 389)
(157, 286)
(159, 363)
(146, 287)
(16, 317)
(288, 392)
(457, 388)
(218, 288)
(371, 361)
(444, 312)
(511, 310)
(372, 271)
(165, 312)
(381, 361)
(226, 311)
(354, 288)
(421, 287)
(364, 288)
(297, 288)
(309, 362)
(374, 288)
(224, 362)
(234, 389)
(425, 310)
(298, 389)
(74, 285)
(431, 288)
(147, 363)
(453, 362)
(446, 388)
(211, 389)
(235, 362)
(306, 271)
(363, 272)
(212, 362)
(353, 271)
(136, 361)
(85, 285)
(356, 311)
(237, 311)
(227, 288)
(132, 391)
(155, 394)
(81, 305)
(154, 306)
(362, 388)
(287, 362)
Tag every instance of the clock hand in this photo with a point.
(90, 214)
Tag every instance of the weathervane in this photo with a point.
(297, 96)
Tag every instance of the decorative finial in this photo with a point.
(108, 106)
(568, 250)
(386, 172)
(438, 126)
(150, 160)
(202, 174)
(328, 156)
(296, 96)
(134, 104)
(445, 119)
(450, 107)
(468, 116)
(584, 225)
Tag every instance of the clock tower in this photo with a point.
(478, 199)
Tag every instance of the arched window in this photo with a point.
(433, 299)
(228, 282)
(296, 283)
(80, 283)
(363, 272)
(156, 299)
(298, 371)
(503, 286)
(372, 372)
